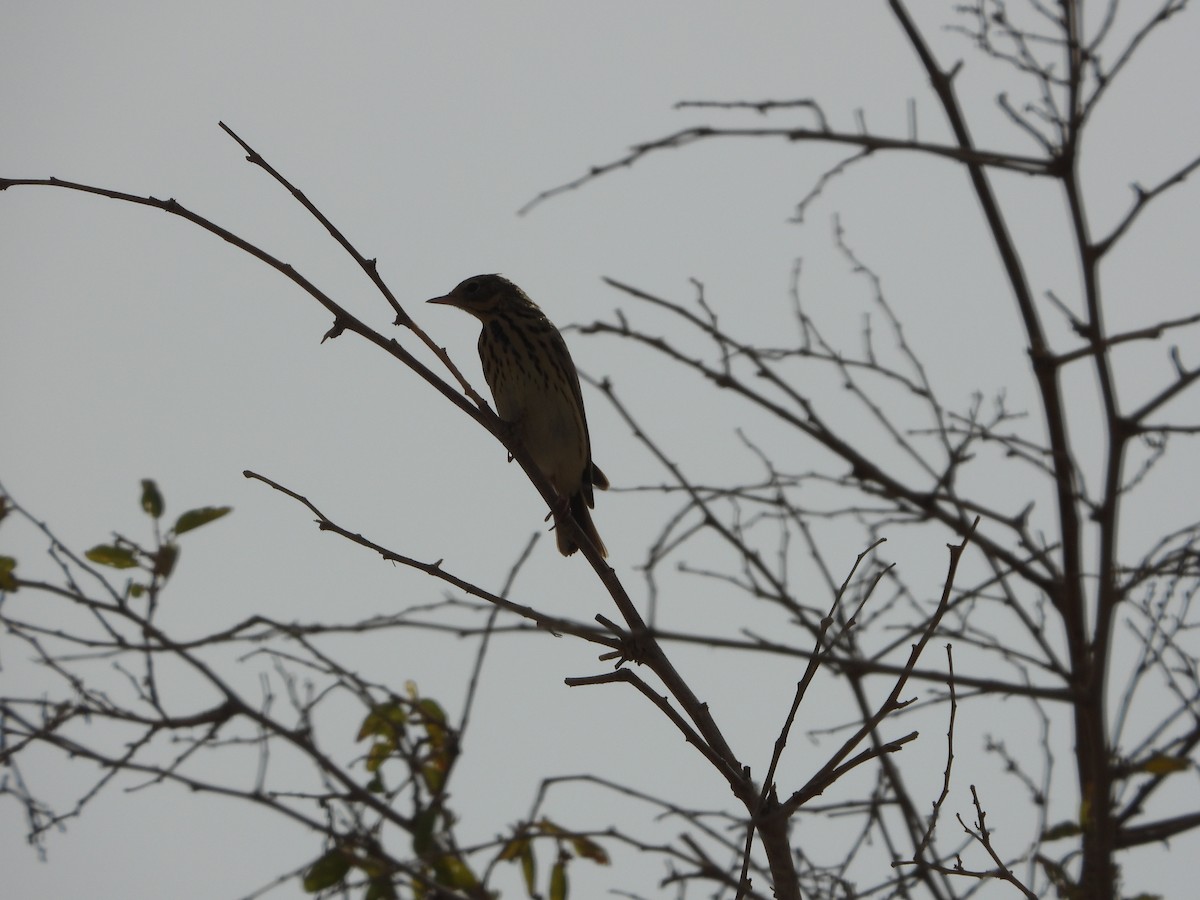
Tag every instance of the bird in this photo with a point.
(536, 389)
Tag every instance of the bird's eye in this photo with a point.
(471, 287)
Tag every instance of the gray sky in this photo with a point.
(134, 345)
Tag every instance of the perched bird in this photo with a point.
(536, 389)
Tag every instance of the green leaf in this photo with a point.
(112, 555)
(152, 499)
(433, 710)
(434, 776)
(136, 590)
(453, 872)
(327, 871)
(529, 869)
(1161, 764)
(589, 849)
(422, 831)
(194, 518)
(1062, 830)
(384, 720)
(558, 881)
(378, 755)
(434, 720)
(513, 848)
(520, 849)
(164, 560)
(8, 580)
(380, 888)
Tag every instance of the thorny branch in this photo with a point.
(1057, 593)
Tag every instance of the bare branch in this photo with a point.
(1009, 162)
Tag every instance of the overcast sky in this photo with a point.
(134, 345)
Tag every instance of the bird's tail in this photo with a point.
(583, 518)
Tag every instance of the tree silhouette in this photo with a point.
(1090, 627)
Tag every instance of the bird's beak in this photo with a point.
(448, 299)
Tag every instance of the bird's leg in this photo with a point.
(559, 508)
(508, 434)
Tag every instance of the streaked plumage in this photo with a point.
(536, 390)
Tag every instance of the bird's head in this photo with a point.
(484, 296)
